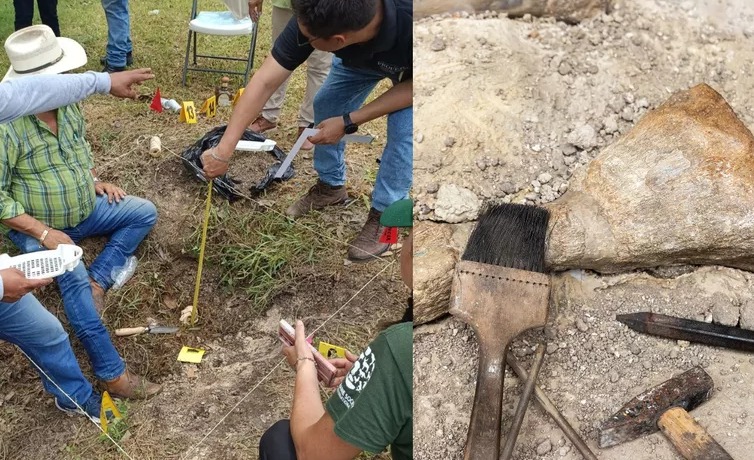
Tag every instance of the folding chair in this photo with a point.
(219, 23)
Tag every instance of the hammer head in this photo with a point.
(640, 415)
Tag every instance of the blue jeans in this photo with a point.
(27, 324)
(344, 91)
(126, 224)
(118, 31)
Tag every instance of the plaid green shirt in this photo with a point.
(46, 176)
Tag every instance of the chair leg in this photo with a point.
(186, 59)
(252, 49)
(194, 48)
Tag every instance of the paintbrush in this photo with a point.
(500, 290)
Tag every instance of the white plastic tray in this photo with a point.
(44, 264)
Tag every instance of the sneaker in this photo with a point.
(306, 145)
(366, 246)
(91, 408)
(261, 124)
(132, 386)
(318, 197)
(129, 59)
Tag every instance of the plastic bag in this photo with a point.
(121, 275)
(224, 185)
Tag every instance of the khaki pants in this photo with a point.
(317, 68)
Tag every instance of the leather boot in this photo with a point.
(132, 386)
(318, 197)
(366, 246)
(261, 124)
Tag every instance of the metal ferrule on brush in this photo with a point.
(477, 286)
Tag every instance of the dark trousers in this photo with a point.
(277, 443)
(48, 13)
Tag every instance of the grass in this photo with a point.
(257, 252)
(256, 259)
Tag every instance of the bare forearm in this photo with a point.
(396, 98)
(307, 405)
(27, 225)
(261, 86)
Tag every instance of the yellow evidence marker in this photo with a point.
(237, 96)
(188, 112)
(190, 355)
(331, 351)
(108, 405)
(210, 107)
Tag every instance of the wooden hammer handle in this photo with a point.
(689, 438)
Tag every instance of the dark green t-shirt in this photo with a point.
(373, 407)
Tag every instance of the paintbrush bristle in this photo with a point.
(510, 235)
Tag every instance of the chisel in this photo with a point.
(672, 327)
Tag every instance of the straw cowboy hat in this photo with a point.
(36, 50)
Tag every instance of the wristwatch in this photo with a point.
(350, 127)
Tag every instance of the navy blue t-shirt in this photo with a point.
(389, 53)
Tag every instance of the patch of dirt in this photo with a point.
(248, 168)
(533, 100)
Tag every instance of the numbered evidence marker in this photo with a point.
(237, 96)
(191, 355)
(210, 107)
(331, 351)
(188, 112)
(108, 406)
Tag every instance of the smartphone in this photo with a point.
(325, 370)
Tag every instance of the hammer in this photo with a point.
(665, 407)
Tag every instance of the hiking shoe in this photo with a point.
(129, 59)
(366, 246)
(306, 145)
(261, 124)
(318, 197)
(91, 408)
(132, 386)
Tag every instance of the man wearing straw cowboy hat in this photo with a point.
(23, 320)
(48, 196)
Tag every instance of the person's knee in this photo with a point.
(145, 212)
(320, 103)
(46, 328)
(149, 212)
(276, 443)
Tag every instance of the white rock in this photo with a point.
(583, 137)
(456, 204)
(544, 178)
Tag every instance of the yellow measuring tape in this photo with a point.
(207, 208)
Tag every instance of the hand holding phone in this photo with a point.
(326, 372)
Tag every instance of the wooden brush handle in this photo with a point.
(483, 441)
(689, 438)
